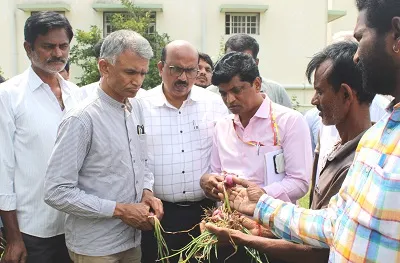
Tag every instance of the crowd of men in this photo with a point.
(84, 172)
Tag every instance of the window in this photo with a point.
(247, 23)
(107, 27)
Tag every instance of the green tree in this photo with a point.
(82, 54)
(135, 19)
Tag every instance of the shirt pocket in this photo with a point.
(201, 135)
(143, 148)
(376, 200)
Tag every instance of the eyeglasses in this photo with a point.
(175, 71)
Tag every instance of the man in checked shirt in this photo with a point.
(361, 222)
(179, 124)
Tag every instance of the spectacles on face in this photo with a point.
(176, 71)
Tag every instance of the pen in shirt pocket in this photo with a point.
(195, 126)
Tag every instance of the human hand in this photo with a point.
(209, 184)
(135, 215)
(255, 228)
(154, 203)
(226, 236)
(15, 252)
(244, 196)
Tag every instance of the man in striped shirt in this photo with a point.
(361, 222)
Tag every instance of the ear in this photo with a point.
(28, 49)
(160, 67)
(396, 28)
(257, 84)
(104, 67)
(348, 93)
(257, 61)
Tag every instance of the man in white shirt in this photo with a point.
(32, 105)
(179, 124)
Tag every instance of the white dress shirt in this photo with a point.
(179, 141)
(29, 119)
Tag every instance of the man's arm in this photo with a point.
(299, 225)
(298, 162)
(286, 251)
(209, 182)
(15, 249)
(61, 191)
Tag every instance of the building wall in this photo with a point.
(290, 32)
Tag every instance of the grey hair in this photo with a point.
(119, 41)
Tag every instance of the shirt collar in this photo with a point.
(160, 99)
(263, 111)
(34, 81)
(112, 102)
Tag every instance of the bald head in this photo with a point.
(178, 69)
(180, 48)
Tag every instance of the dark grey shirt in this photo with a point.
(98, 160)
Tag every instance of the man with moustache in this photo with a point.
(32, 105)
(179, 124)
(262, 141)
(342, 101)
(206, 67)
(362, 222)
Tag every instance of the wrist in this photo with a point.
(119, 210)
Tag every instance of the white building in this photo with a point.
(289, 31)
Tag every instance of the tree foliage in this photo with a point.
(135, 19)
(82, 54)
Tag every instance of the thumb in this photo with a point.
(211, 227)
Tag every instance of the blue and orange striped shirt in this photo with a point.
(362, 222)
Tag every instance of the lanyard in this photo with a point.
(274, 128)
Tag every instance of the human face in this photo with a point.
(373, 56)
(49, 54)
(240, 96)
(178, 87)
(125, 78)
(330, 103)
(205, 73)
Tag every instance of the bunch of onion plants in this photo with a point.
(202, 247)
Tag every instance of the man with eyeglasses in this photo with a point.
(179, 125)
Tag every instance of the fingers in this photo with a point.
(212, 228)
(157, 207)
(242, 182)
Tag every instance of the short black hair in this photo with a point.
(97, 48)
(379, 13)
(2, 79)
(207, 59)
(41, 23)
(344, 70)
(67, 67)
(241, 43)
(235, 64)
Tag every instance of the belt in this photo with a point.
(187, 203)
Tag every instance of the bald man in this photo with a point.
(179, 125)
